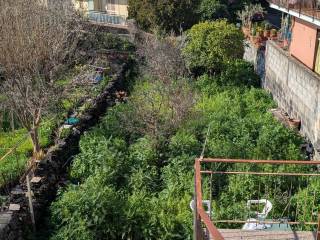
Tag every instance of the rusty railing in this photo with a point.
(204, 227)
(309, 8)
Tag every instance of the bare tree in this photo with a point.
(36, 38)
(162, 55)
(157, 109)
(165, 99)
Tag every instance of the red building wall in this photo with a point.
(303, 43)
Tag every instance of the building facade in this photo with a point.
(303, 32)
(112, 7)
(113, 12)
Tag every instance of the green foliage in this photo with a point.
(165, 15)
(239, 123)
(112, 124)
(212, 9)
(238, 73)
(157, 108)
(306, 203)
(154, 183)
(184, 142)
(211, 45)
(133, 185)
(7, 119)
(12, 167)
(78, 219)
(99, 152)
(143, 12)
(14, 164)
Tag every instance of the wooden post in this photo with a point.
(30, 204)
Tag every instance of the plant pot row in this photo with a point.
(266, 33)
(260, 37)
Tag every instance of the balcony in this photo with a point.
(308, 10)
(275, 217)
(106, 18)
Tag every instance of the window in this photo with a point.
(111, 6)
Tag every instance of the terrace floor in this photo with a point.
(237, 234)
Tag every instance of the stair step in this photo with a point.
(14, 207)
(36, 179)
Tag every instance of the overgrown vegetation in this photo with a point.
(14, 165)
(134, 176)
(166, 16)
(40, 92)
(212, 45)
(36, 40)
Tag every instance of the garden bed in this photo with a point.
(52, 169)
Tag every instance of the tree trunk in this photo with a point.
(12, 121)
(35, 141)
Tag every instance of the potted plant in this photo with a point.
(273, 34)
(258, 39)
(243, 16)
(246, 31)
(259, 32)
(246, 16)
(253, 34)
(295, 123)
(266, 32)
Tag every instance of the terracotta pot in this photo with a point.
(294, 123)
(253, 38)
(257, 40)
(257, 44)
(246, 31)
(259, 34)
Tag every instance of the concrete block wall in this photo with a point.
(256, 57)
(295, 88)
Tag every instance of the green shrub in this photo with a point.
(211, 45)
(184, 142)
(99, 152)
(164, 15)
(239, 73)
(90, 211)
(212, 9)
(137, 186)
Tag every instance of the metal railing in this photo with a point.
(204, 225)
(308, 8)
(106, 18)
